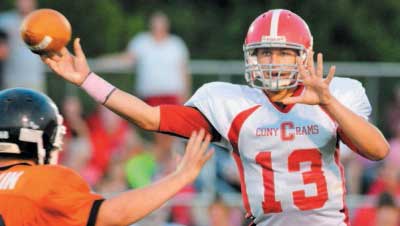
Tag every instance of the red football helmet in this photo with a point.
(278, 28)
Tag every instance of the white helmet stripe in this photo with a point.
(273, 32)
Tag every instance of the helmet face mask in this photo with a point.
(30, 126)
(273, 77)
(275, 29)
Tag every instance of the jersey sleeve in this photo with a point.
(69, 200)
(220, 102)
(351, 94)
(182, 120)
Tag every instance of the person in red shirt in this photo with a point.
(36, 191)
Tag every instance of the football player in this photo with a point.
(35, 191)
(283, 129)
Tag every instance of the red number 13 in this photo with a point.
(314, 176)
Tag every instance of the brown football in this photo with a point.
(45, 30)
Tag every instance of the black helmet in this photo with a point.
(30, 126)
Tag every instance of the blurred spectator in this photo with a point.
(394, 142)
(77, 147)
(110, 136)
(392, 118)
(140, 168)
(161, 61)
(387, 180)
(21, 62)
(227, 175)
(153, 162)
(384, 213)
(219, 213)
(4, 51)
(361, 173)
(114, 180)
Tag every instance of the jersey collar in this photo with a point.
(6, 167)
(286, 108)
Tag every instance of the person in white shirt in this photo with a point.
(22, 68)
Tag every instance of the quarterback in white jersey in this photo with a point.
(284, 129)
(288, 159)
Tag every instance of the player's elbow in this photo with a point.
(112, 215)
(380, 151)
(150, 120)
(150, 124)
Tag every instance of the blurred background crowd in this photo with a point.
(152, 49)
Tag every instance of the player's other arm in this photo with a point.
(368, 140)
(131, 206)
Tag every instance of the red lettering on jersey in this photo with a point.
(285, 136)
(314, 176)
(269, 204)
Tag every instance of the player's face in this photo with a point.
(278, 58)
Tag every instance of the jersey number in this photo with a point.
(314, 176)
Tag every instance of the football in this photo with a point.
(45, 30)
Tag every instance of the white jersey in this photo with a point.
(288, 160)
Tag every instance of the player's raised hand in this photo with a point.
(196, 155)
(316, 86)
(73, 68)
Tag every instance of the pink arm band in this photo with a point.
(98, 88)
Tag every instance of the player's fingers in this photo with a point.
(331, 74)
(199, 138)
(55, 56)
(320, 66)
(208, 155)
(78, 49)
(43, 57)
(303, 73)
(292, 100)
(190, 143)
(310, 62)
(205, 144)
(64, 52)
(52, 64)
